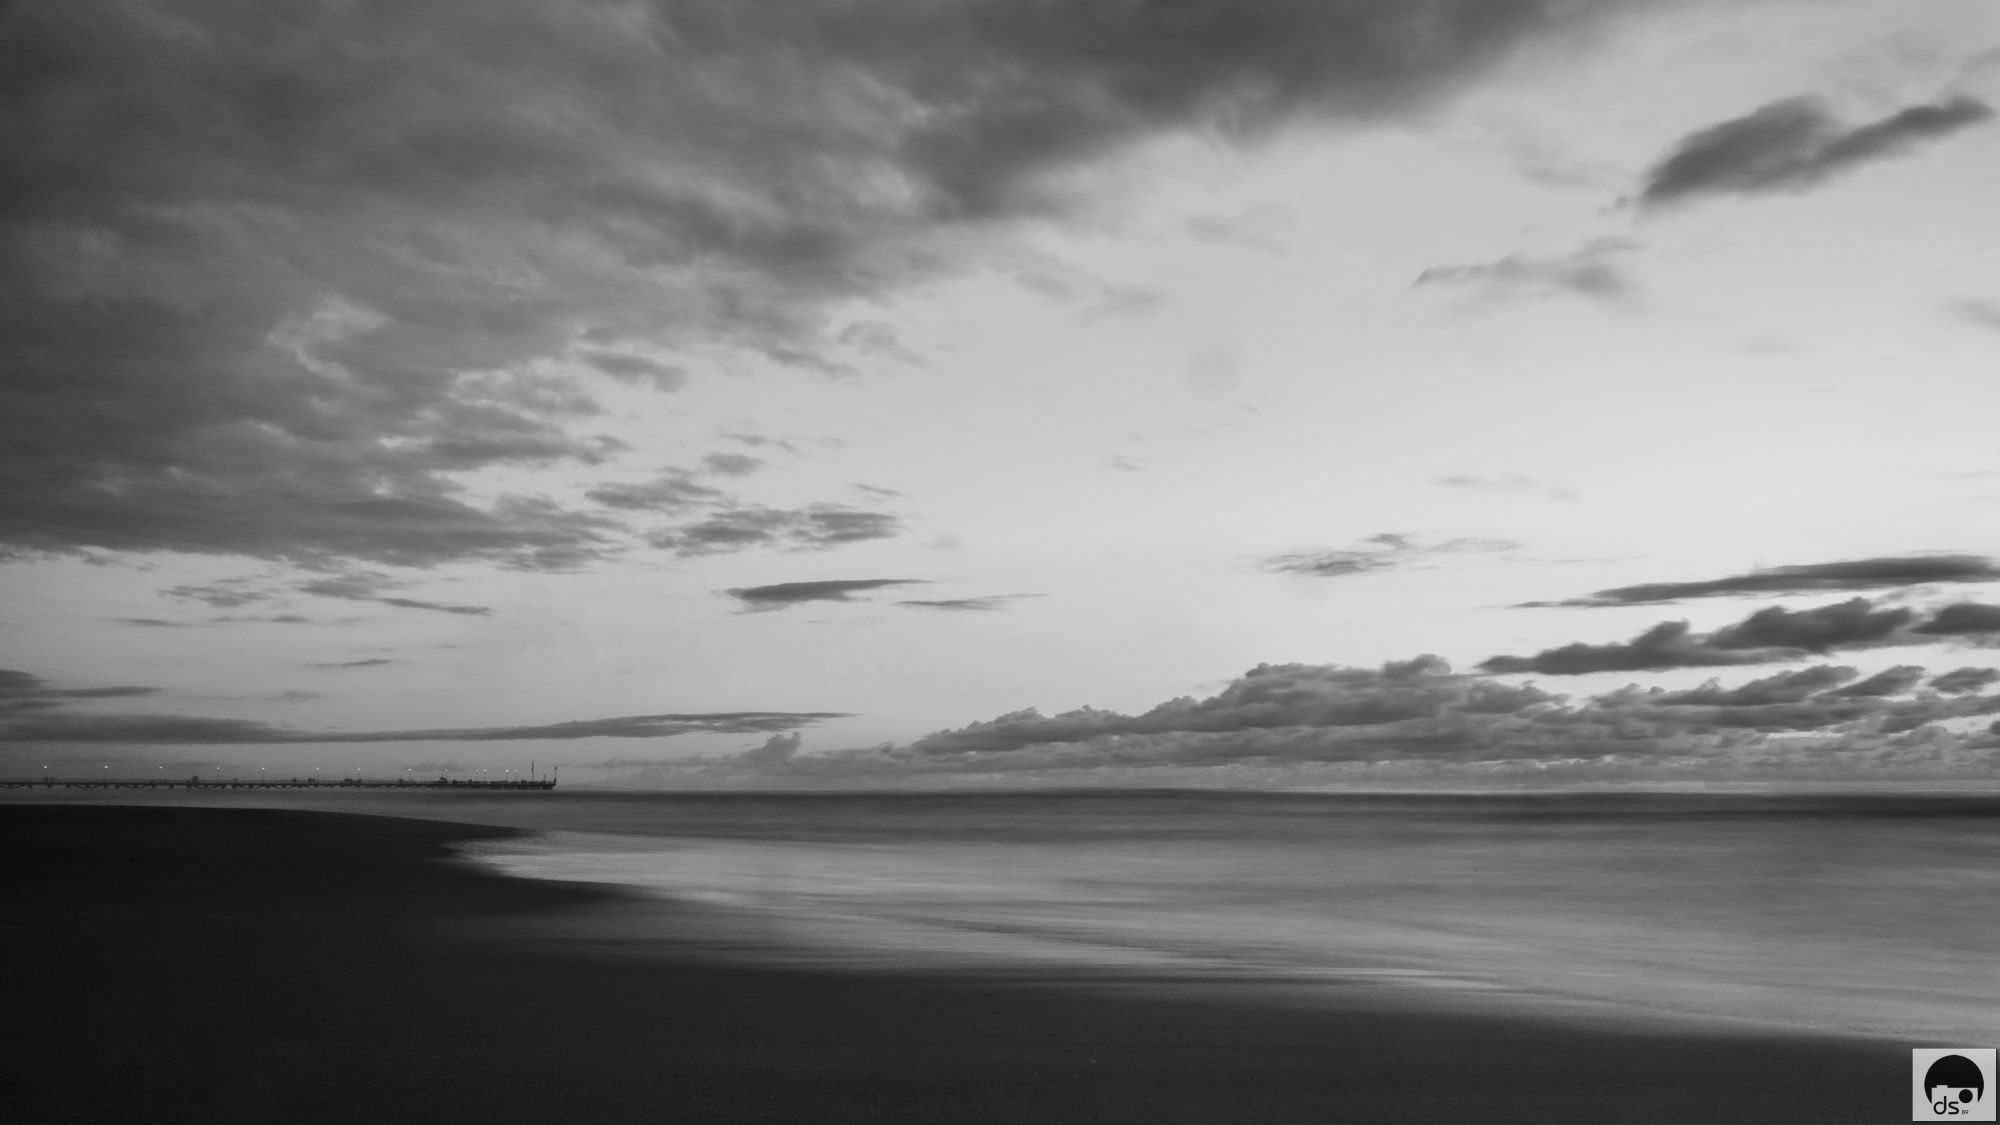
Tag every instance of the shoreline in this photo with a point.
(214, 965)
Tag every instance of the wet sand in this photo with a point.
(202, 965)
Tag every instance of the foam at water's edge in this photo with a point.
(1157, 912)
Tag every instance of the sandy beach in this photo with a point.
(256, 965)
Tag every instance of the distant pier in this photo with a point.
(290, 783)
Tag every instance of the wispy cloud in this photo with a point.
(1985, 314)
(1889, 681)
(677, 490)
(1854, 575)
(1266, 229)
(1505, 484)
(180, 730)
(815, 527)
(1591, 271)
(732, 464)
(1963, 619)
(1961, 680)
(1670, 644)
(22, 692)
(638, 369)
(1794, 145)
(1779, 687)
(783, 594)
(369, 662)
(1847, 624)
(1386, 551)
(985, 604)
(226, 593)
(1769, 634)
(369, 586)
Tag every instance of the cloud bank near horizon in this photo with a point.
(33, 713)
(1326, 722)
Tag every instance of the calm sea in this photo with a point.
(1864, 914)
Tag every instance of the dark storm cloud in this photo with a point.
(816, 527)
(1591, 271)
(783, 594)
(984, 604)
(1670, 644)
(1961, 680)
(274, 277)
(1386, 551)
(1793, 145)
(1855, 575)
(1963, 619)
(1842, 625)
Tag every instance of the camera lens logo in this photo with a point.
(1952, 1084)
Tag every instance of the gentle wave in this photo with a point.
(1867, 917)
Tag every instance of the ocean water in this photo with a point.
(1876, 915)
(1869, 915)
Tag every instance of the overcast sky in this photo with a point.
(708, 392)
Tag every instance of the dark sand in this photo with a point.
(214, 966)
